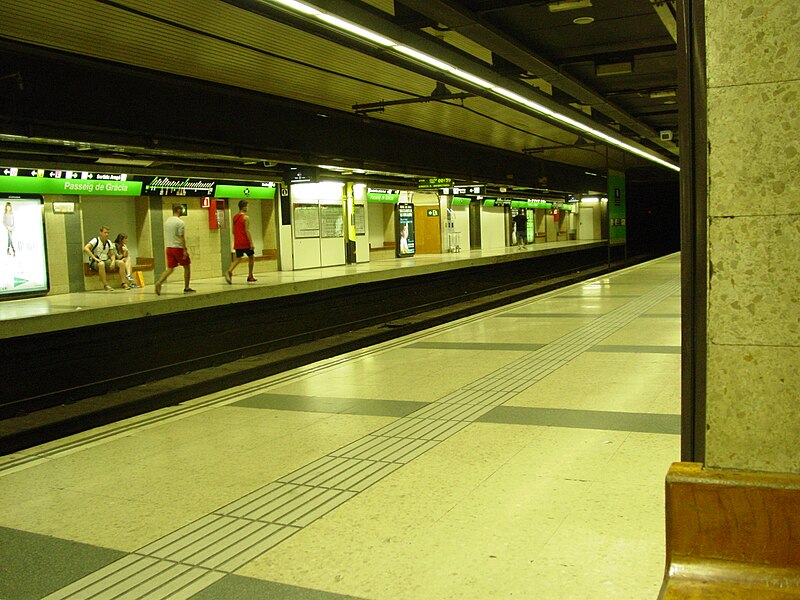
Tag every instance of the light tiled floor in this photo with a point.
(520, 453)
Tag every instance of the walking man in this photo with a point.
(177, 250)
(242, 242)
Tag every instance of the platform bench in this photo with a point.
(142, 264)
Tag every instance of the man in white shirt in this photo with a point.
(100, 252)
(177, 250)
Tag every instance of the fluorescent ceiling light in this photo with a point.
(435, 62)
(563, 5)
(355, 29)
(471, 78)
(509, 94)
(299, 7)
(590, 200)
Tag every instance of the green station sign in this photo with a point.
(85, 183)
(257, 191)
(89, 187)
(383, 195)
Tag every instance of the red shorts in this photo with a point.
(176, 256)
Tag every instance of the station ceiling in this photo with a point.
(609, 65)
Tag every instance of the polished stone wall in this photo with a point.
(753, 389)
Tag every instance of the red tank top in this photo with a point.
(240, 241)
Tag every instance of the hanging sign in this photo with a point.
(383, 195)
(434, 183)
(166, 186)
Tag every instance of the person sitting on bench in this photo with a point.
(101, 258)
(122, 258)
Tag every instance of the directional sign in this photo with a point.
(474, 189)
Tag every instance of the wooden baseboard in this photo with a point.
(731, 534)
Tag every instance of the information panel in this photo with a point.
(405, 230)
(360, 219)
(306, 221)
(331, 221)
(23, 261)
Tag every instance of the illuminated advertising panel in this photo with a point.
(405, 229)
(23, 254)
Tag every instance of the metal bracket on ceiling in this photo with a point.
(362, 109)
(665, 9)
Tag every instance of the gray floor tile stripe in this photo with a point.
(247, 527)
(585, 419)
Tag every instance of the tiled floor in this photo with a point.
(520, 453)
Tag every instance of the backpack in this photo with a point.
(96, 245)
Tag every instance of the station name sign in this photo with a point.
(383, 195)
(53, 181)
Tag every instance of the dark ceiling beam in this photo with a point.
(472, 26)
(620, 52)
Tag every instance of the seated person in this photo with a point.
(101, 258)
(122, 259)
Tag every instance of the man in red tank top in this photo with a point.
(242, 242)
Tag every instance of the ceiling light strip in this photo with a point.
(371, 36)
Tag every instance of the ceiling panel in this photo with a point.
(217, 42)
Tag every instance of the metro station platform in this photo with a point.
(516, 453)
(25, 317)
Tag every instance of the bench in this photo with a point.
(142, 264)
(731, 534)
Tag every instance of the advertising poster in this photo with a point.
(23, 256)
(405, 229)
